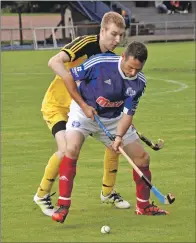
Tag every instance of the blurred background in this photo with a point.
(52, 24)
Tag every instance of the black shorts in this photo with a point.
(59, 126)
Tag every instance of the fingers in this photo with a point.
(117, 143)
(94, 112)
(115, 147)
(89, 111)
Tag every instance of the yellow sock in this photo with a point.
(50, 174)
(111, 160)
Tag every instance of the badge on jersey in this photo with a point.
(76, 124)
(76, 71)
(130, 92)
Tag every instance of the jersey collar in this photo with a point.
(121, 72)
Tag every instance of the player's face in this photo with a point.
(131, 66)
(111, 36)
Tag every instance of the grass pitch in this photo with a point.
(167, 111)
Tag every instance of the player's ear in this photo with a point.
(102, 30)
(123, 56)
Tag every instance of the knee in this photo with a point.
(72, 151)
(145, 159)
(61, 153)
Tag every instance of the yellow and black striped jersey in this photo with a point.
(57, 98)
(81, 48)
(84, 45)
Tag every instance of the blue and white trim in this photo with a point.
(142, 77)
(100, 59)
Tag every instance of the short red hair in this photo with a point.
(112, 17)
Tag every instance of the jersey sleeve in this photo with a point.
(80, 46)
(131, 103)
(81, 73)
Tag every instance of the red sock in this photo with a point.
(67, 172)
(142, 190)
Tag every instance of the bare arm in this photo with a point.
(124, 124)
(56, 63)
(73, 90)
(122, 127)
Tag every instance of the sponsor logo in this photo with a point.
(130, 92)
(76, 124)
(103, 102)
(63, 178)
(108, 81)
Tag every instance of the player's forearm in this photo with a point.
(124, 124)
(57, 65)
(73, 90)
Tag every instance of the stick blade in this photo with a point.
(160, 143)
(169, 199)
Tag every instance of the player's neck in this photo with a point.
(103, 48)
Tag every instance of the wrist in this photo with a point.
(118, 136)
(83, 105)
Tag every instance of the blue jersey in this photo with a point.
(105, 87)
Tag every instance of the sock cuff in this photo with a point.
(144, 168)
(142, 200)
(69, 161)
(65, 198)
(64, 202)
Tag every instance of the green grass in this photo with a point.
(25, 42)
(164, 112)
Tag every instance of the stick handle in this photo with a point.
(156, 192)
(138, 171)
(131, 162)
(145, 139)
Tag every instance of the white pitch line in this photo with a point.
(192, 61)
(181, 84)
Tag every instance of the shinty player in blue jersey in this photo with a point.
(111, 87)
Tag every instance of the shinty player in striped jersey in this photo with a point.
(56, 104)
